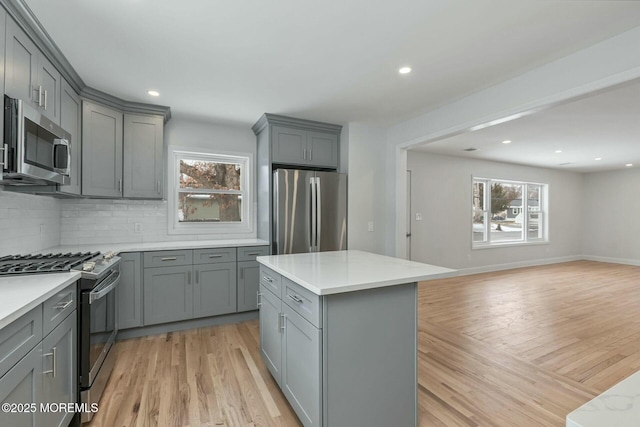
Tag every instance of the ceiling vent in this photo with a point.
(470, 149)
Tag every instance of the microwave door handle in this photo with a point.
(57, 144)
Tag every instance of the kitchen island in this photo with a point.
(338, 332)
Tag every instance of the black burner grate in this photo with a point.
(43, 263)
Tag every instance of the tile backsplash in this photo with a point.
(28, 223)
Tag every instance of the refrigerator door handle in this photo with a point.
(318, 215)
(314, 212)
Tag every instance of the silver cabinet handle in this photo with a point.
(54, 362)
(171, 258)
(267, 279)
(216, 256)
(188, 277)
(310, 154)
(119, 186)
(281, 321)
(258, 295)
(39, 96)
(304, 154)
(63, 305)
(45, 99)
(197, 276)
(296, 298)
(253, 253)
(158, 186)
(241, 273)
(5, 155)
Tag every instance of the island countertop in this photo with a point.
(325, 273)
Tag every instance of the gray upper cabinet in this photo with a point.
(101, 151)
(214, 292)
(29, 75)
(71, 121)
(130, 291)
(143, 156)
(305, 148)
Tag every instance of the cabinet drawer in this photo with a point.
(19, 337)
(167, 258)
(250, 253)
(208, 256)
(58, 307)
(270, 280)
(302, 301)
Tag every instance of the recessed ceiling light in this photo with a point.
(506, 141)
(629, 165)
(404, 70)
(598, 158)
(558, 151)
(153, 93)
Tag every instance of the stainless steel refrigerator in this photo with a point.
(309, 211)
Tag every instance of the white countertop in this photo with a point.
(325, 273)
(20, 294)
(617, 407)
(156, 246)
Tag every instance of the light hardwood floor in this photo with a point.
(515, 348)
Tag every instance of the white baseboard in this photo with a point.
(611, 260)
(519, 264)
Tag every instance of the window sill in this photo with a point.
(508, 244)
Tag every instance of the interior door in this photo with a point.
(292, 211)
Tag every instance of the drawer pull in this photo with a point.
(267, 279)
(253, 253)
(53, 355)
(63, 305)
(296, 298)
(171, 258)
(216, 256)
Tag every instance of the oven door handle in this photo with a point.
(106, 287)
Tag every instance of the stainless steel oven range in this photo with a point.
(97, 328)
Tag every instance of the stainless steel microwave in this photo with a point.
(35, 150)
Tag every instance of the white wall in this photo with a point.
(597, 67)
(441, 191)
(87, 221)
(611, 206)
(367, 187)
(21, 218)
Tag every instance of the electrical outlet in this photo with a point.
(418, 216)
(137, 227)
(370, 226)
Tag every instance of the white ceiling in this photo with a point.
(336, 61)
(605, 125)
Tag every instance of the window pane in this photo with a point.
(507, 218)
(534, 229)
(478, 196)
(535, 215)
(198, 207)
(209, 175)
(479, 226)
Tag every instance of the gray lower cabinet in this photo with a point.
(101, 150)
(248, 285)
(271, 332)
(214, 291)
(59, 377)
(168, 294)
(46, 374)
(130, 291)
(143, 165)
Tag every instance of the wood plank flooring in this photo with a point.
(514, 348)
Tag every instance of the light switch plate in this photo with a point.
(418, 216)
(370, 226)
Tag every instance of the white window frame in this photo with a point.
(245, 226)
(541, 211)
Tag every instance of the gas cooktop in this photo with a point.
(45, 263)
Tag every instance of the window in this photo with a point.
(508, 212)
(209, 194)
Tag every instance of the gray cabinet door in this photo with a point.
(51, 82)
(70, 120)
(214, 291)
(101, 151)
(301, 367)
(168, 294)
(143, 163)
(270, 332)
(289, 146)
(23, 384)
(130, 291)
(21, 70)
(59, 370)
(322, 149)
(248, 285)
